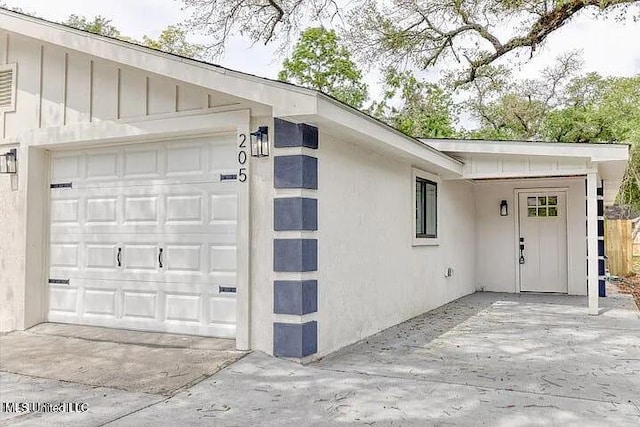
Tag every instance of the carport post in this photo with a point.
(592, 241)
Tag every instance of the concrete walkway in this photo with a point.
(486, 359)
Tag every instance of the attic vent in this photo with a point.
(7, 87)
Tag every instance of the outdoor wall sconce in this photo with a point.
(504, 208)
(260, 142)
(9, 162)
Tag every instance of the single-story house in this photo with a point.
(143, 190)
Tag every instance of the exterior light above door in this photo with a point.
(504, 208)
(9, 162)
(260, 142)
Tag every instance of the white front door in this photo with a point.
(542, 245)
(144, 237)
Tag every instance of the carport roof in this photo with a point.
(608, 159)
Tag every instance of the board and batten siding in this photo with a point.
(508, 166)
(58, 87)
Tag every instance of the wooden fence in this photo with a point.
(618, 235)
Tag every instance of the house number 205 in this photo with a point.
(242, 157)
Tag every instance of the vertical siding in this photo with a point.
(58, 87)
(191, 98)
(104, 89)
(53, 87)
(162, 95)
(133, 93)
(78, 90)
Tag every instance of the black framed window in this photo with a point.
(426, 208)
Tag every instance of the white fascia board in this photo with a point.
(378, 133)
(284, 98)
(594, 152)
(108, 132)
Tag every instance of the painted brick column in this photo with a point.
(295, 246)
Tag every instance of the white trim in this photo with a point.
(86, 134)
(517, 192)
(594, 151)
(243, 250)
(425, 241)
(537, 174)
(385, 139)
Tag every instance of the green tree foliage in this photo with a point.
(416, 108)
(319, 62)
(98, 25)
(172, 39)
(419, 32)
(507, 108)
(561, 106)
(598, 109)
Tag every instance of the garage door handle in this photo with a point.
(160, 258)
(118, 257)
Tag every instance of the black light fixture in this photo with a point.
(504, 208)
(9, 162)
(260, 142)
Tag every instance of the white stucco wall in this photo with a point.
(370, 277)
(496, 257)
(12, 254)
(261, 259)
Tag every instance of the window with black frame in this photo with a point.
(426, 209)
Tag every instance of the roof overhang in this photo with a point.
(286, 100)
(608, 160)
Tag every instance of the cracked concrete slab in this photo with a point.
(143, 362)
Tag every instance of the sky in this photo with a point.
(608, 46)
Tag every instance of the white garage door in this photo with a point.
(144, 237)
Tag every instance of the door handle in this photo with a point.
(160, 258)
(521, 261)
(118, 257)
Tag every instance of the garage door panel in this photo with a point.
(223, 258)
(102, 210)
(140, 305)
(102, 166)
(65, 212)
(223, 208)
(102, 257)
(143, 163)
(141, 257)
(65, 255)
(185, 160)
(66, 167)
(183, 209)
(222, 309)
(141, 209)
(183, 307)
(62, 299)
(184, 258)
(99, 302)
(118, 208)
(223, 157)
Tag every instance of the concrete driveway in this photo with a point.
(486, 359)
